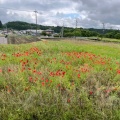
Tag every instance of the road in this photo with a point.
(3, 40)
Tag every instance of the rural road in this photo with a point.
(3, 40)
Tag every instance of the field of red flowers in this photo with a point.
(59, 80)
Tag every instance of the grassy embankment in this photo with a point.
(105, 39)
(61, 80)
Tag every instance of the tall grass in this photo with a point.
(60, 80)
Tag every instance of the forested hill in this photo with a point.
(19, 25)
(68, 32)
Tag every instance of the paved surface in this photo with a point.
(3, 40)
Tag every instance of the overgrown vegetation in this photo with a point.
(60, 80)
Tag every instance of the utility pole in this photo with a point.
(76, 28)
(36, 22)
(111, 28)
(6, 29)
(62, 31)
(103, 28)
(6, 36)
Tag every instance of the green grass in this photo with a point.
(60, 80)
(106, 39)
(111, 40)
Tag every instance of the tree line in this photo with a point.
(68, 31)
(1, 25)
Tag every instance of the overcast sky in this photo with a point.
(89, 13)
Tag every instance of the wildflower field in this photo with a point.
(60, 80)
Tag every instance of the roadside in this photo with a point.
(15, 39)
(22, 39)
(3, 40)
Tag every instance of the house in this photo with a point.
(49, 31)
(33, 32)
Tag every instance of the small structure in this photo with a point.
(33, 32)
(49, 31)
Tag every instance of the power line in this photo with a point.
(14, 9)
(19, 10)
(36, 12)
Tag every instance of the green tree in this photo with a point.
(43, 33)
(110, 35)
(68, 34)
(1, 24)
(117, 36)
(77, 33)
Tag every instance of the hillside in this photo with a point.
(68, 31)
(20, 25)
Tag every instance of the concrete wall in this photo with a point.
(3, 40)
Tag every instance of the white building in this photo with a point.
(33, 32)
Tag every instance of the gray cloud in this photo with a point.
(90, 13)
(105, 10)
